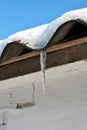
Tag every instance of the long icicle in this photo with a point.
(43, 64)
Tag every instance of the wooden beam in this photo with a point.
(60, 54)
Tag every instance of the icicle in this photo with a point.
(43, 64)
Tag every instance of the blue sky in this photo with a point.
(17, 15)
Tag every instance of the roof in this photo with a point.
(70, 25)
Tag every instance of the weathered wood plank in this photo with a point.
(60, 54)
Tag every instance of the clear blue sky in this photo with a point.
(17, 15)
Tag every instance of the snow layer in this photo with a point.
(1, 41)
(28, 37)
(3, 44)
(38, 37)
(80, 14)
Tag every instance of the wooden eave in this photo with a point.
(59, 54)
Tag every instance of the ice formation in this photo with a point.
(43, 64)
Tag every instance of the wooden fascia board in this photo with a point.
(59, 54)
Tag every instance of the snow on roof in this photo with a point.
(30, 37)
(3, 44)
(1, 41)
(80, 14)
(38, 37)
